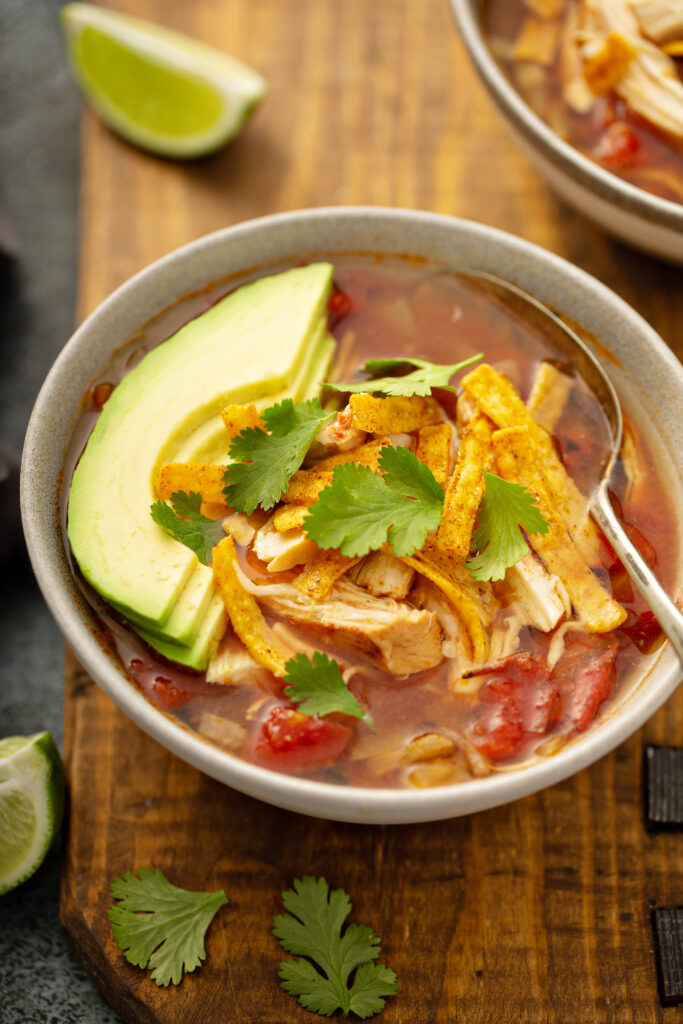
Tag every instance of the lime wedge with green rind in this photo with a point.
(31, 804)
(160, 90)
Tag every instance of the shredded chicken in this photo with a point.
(283, 550)
(222, 731)
(232, 663)
(650, 85)
(339, 435)
(383, 575)
(540, 595)
(399, 638)
(660, 20)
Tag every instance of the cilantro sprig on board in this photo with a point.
(184, 522)
(318, 687)
(360, 510)
(312, 929)
(159, 926)
(264, 461)
(419, 381)
(504, 508)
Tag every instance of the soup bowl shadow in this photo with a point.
(641, 365)
(643, 220)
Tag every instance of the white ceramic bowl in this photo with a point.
(635, 216)
(657, 384)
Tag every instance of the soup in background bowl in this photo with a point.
(611, 148)
(443, 727)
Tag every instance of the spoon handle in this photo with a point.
(666, 612)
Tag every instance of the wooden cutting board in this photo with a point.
(536, 912)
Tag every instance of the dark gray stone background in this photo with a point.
(40, 982)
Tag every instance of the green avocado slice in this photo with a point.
(262, 341)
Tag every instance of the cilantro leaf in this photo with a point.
(265, 460)
(420, 381)
(185, 523)
(312, 928)
(320, 688)
(360, 510)
(160, 926)
(504, 508)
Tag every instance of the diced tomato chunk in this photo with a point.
(291, 741)
(499, 733)
(643, 630)
(339, 305)
(542, 707)
(518, 702)
(619, 147)
(168, 694)
(585, 676)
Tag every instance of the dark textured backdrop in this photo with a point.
(40, 983)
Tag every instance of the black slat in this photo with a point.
(663, 768)
(668, 930)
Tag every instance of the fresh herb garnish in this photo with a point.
(504, 508)
(360, 510)
(312, 929)
(265, 460)
(183, 520)
(419, 382)
(319, 688)
(160, 926)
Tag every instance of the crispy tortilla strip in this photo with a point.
(238, 417)
(480, 593)
(466, 487)
(474, 638)
(200, 477)
(215, 509)
(320, 575)
(393, 415)
(605, 65)
(516, 461)
(501, 403)
(306, 484)
(549, 394)
(434, 449)
(289, 517)
(245, 615)
(538, 41)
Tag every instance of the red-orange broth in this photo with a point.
(387, 307)
(610, 134)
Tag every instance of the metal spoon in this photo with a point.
(563, 338)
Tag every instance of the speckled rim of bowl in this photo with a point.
(331, 230)
(540, 136)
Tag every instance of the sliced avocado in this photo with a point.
(208, 442)
(197, 654)
(258, 341)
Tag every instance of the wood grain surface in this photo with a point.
(536, 912)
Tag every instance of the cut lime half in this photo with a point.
(31, 804)
(161, 90)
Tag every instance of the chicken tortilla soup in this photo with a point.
(606, 75)
(335, 524)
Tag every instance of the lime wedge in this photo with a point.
(162, 91)
(31, 804)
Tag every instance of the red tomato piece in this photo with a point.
(541, 708)
(292, 741)
(585, 676)
(339, 305)
(643, 630)
(525, 704)
(168, 694)
(619, 147)
(499, 733)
